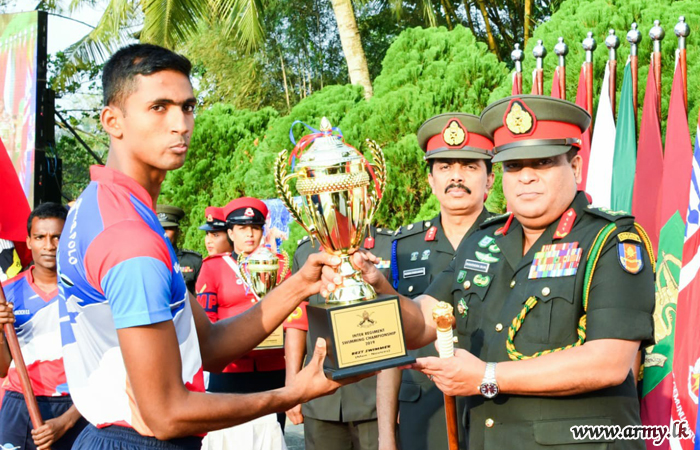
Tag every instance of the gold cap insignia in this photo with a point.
(454, 134)
(210, 218)
(518, 119)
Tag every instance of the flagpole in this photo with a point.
(657, 35)
(634, 37)
(613, 43)
(682, 31)
(539, 52)
(561, 50)
(589, 45)
(517, 56)
(21, 367)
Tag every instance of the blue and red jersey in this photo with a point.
(117, 270)
(38, 332)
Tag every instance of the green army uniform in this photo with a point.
(420, 252)
(346, 419)
(507, 306)
(190, 261)
(417, 259)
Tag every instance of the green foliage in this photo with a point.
(577, 17)
(425, 72)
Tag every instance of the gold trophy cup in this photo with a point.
(259, 272)
(340, 193)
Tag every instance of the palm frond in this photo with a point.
(429, 12)
(243, 18)
(170, 22)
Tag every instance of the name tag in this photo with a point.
(479, 266)
(420, 271)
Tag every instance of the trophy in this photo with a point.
(340, 193)
(259, 272)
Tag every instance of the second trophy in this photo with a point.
(340, 193)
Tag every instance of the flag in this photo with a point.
(678, 156)
(599, 181)
(517, 89)
(585, 151)
(14, 208)
(555, 84)
(686, 360)
(625, 157)
(647, 181)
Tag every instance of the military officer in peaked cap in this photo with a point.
(346, 419)
(552, 301)
(458, 154)
(190, 261)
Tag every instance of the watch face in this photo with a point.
(489, 390)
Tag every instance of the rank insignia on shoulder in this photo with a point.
(430, 235)
(556, 260)
(369, 243)
(482, 280)
(425, 255)
(462, 307)
(630, 257)
(486, 257)
(629, 237)
(414, 256)
(486, 241)
(461, 276)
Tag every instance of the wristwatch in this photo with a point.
(489, 386)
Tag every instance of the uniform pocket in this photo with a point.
(409, 392)
(415, 285)
(559, 432)
(555, 308)
(469, 292)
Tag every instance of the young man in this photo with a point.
(33, 294)
(458, 152)
(552, 302)
(134, 341)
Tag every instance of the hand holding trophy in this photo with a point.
(260, 271)
(340, 193)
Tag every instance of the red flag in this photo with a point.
(555, 84)
(585, 151)
(14, 208)
(650, 160)
(678, 156)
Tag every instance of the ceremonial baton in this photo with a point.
(442, 315)
(16, 352)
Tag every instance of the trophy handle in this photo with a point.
(244, 275)
(281, 180)
(379, 167)
(285, 266)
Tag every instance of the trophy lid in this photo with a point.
(329, 150)
(262, 257)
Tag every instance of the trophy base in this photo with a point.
(361, 337)
(274, 340)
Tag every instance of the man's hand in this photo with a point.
(458, 376)
(362, 260)
(7, 314)
(295, 416)
(311, 272)
(51, 431)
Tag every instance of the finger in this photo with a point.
(326, 259)
(329, 275)
(319, 352)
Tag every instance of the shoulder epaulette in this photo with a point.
(385, 231)
(608, 214)
(414, 228)
(495, 219)
(302, 240)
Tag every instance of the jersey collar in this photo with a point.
(105, 175)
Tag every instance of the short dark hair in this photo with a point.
(573, 151)
(137, 59)
(47, 210)
(431, 162)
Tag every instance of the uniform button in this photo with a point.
(467, 284)
(499, 327)
(252, 301)
(410, 289)
(379, 230)
(546, 291)
(512, 284)
(427, 224)
(410, 227)
(489, 423)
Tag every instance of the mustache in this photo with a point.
(458, 185)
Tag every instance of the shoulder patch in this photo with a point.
(608, 214)
(494, 219)
(628, 236)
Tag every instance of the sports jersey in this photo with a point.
(222, 294)
(38, 332)
(117, 270)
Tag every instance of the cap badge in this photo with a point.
(210, 218)
(162, 217)
(518, 119)
(454, 134)
(249, 212)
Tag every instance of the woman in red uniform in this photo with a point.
(222, 293)
(216, 240)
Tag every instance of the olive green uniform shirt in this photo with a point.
(190, 265)
(357, 401)
(488, 294)
(416, 263)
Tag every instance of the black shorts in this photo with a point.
(122, 438)
(16, 427)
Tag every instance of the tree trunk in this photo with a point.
(526, 21)
(352, 45)
(489, 33)
(470, 22)
(284, 80)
